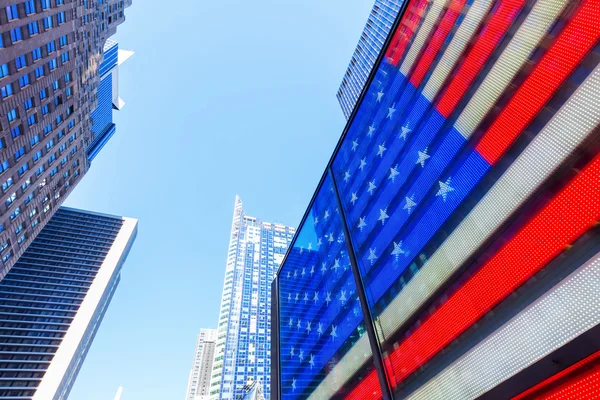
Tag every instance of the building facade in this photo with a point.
(50, 56)
(458, 243)
(199, 380)
(54, 298)
(243, 349)
(369, 45)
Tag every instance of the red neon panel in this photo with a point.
(485, 45)
(570, 374)
(575, 41)
(569, 215)
(436, 42)
(404, 33)
(585, 387)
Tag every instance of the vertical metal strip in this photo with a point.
(377, 357)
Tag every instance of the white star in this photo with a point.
(333, 332)
(312, 361)
(383, 216)
(312, 270)
(305, 297)
(295, 273)
(444, 189)
(296, 298)
(319, 243)
(372, 256)
(422, 157)
(323, 268)
(405, 132)
(393, 173)
(371, 130)
(316, 298)
(347, 176)
(299, 325)
(288, 274)
(289, 297)
(343, 298)
(291, 322)
(397, 249)
(292, 352)
(354, 145)
(294, 384)
(362, 223)
(303, 272)
(316, 220)
(391, 111)
(308, 328)
(301, 355)
(320, 329)
(330, 240)
(409, 204)
(326, 215)
(379, 96)
(371, 187)
(354, 198)
(328, 298)
(310, 246)
(381, 150)
(363, 162)
(336, 264)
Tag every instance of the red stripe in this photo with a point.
(438, 39)
(404, 33)
(568, 216)
(486, 44)
(569, 376)
(575, 41)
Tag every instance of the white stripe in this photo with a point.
(566, 311)
(569, 127)
(456, 48)
(432, 16)
(512, 59)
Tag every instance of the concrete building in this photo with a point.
(53, 299)
(199, 380)
(50, 59)
(243, 349)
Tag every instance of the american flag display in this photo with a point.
(462, 206)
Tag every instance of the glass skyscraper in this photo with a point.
(369, 45)
(457, 224)
(243, 350)
(199, 380)
(53, 300)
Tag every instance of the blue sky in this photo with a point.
(223, 98)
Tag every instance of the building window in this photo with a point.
(45, 4)
(4, 245)
(34, 140)
(6, 90)
(67, 77)
(61, 17)
(7, 184)
(43, 93)
(51, 47)
(40, 170)
(19, 153)
(50, 144)
(26, 184)
(16, 131)
(71, 124)
(45, 109)
(15, 213)
(3, 166)
(62, 148)
(19, 228)
(3, 70)
(24, 168)
(33, 28)
(24, 80)
(64, 57)
(53, 172)
(52, 64)
(47, 129)
(36, 54)
(39, 72)
(12, 115)
(11, 199)
(7, 256)
(22, 238)
(16, 35)
(30, 7)
(48, 22)
(32, 120)
(63, 41)
(33, 212)
(46, 208)
(28, 103)
(21, 62)
(68, 92)
(37, 156)
(35, 222)
(12, 12)
(59, 119)
(51, 159)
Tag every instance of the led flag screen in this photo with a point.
(475, 140)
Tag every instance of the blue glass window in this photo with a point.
(60, 17)
(53, 172)
(68, 77)
(45, 4)
(47, 129)
(28, 103)
(31, 120)
(62, 148)
(7, 256)
(63, 41)
(51, 159)
(16, 131)
(37, 156)
(24, 80)
(12, 115)
(43, 94)
(20, 61)
(24, 168)
(55, 85)
(1, 41)
(52, 64)
(68, 92)
(3, 70)
(30, 7)
(36, 54)
(33, 28)
(16, 34)
(50, 144)
(19, 228)
(64, 57)
(45, 109)
(40, 170)
(3, 166)
(71, 124)
(39, 72)
(34, 140)
(48, 22)
(51, 47)
(7, 90)
(59, 119)
(7, 184)
(14, 215)
(19, 153)
(12, 12)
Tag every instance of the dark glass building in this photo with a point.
(51, 53)
(53, 299)
(452, 248)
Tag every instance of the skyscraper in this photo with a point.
(460, 256)
(369, 45)
(199, 380)
(51, 53)
(243, 350)
(53, 300)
